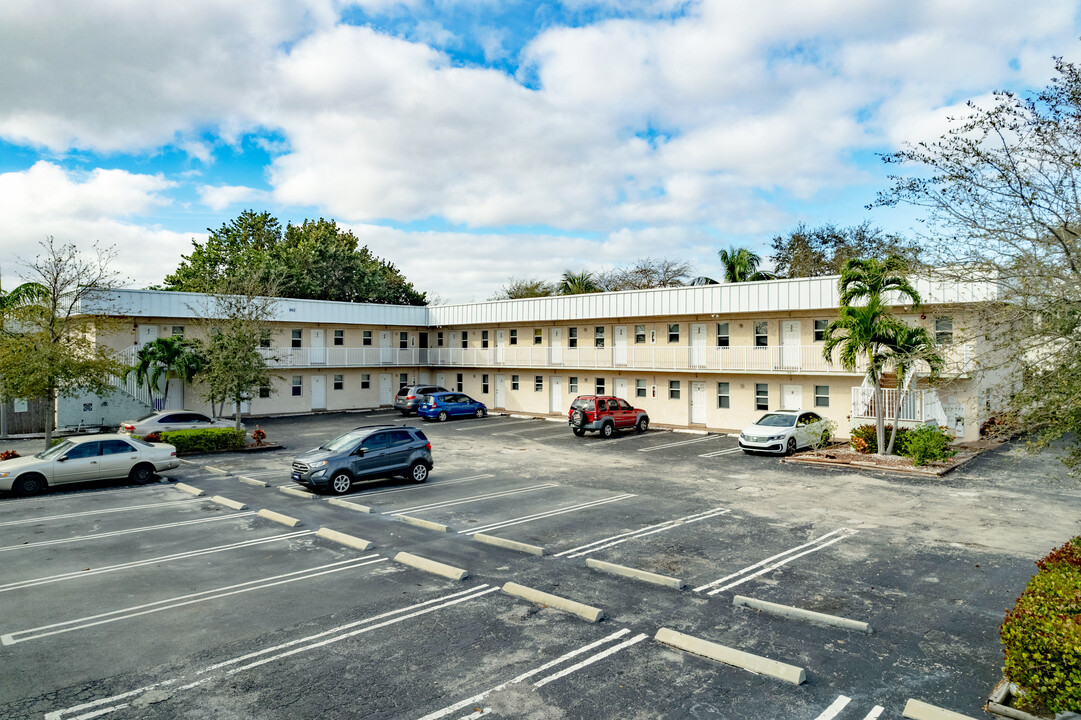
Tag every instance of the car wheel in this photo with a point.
(442, 416)
(578, 431)
(405, 413)
(643, 424)
(341, 483)
(791, 447)
(480, 412)
(29, 485)
(142, 473)
(608, 430)
(418, 471)
(578, 418)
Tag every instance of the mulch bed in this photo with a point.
(843, 454)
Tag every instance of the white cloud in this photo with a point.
(219, 197)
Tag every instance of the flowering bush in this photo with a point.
(8, 455)
(153, 437)
(258, 436)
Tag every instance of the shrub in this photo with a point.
(8, 455)
(865, 439)
(258, 436)
(204, 440)
(1041, 635)
(153, 437)
(928, 443)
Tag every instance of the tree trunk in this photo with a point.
(50, 414)
(880, 419)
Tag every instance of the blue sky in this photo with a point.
(470, 142)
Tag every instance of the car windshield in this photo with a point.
(344, 441)
(776, 420)
(56, 450)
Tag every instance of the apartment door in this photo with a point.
(147, 334)
(441, 379)
(500, 343)
(422, 377)
(620, 388)
(790, 344)
(619, 347)
(386, 393)
(698, 403)
(319, 392)
(384, 347)
(555, 402)
(501, 391)
(456, 354)
(422, 358)
(318, 350)
(555, 346)
(698, 345)
(791, 397)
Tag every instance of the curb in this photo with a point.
(636, 574)
(340, 537)
(918, 710)
(228, 503)
(731, 656)
(278, 517)
(189, 489)
(296, 492)
(217, 470)
(252, 481)
(796, 613)
(586, 612)
(509, 544)
(349, 506)
(410, 520)
(438, 568)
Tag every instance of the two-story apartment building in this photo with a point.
(710, 357)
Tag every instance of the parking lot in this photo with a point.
(150, 602)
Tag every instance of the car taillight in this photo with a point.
(129, 428)
(172, 454)
(428, 446)
(410, 397)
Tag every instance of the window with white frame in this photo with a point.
(600, 386)
(178, 331)
(264, 391)
(639, 334)
(484, 339)
(366, 337)
(820, 330)
(573, 386)
(339, 382)
(439, 339)
(538, 383)
(513, 337)
(822, 395)
(761, 333)
(944, 330)
(465, 341)
(673, 389)
(365, 381)
(598, 336)
(484, 384)
(673, 333)
(640, 388)
(264, 340)
(572, 337)
(724, 401)
(403, 380)
(298, 385)
(513, 382)
(761, 396)
(339, 337)
(538, 336)
(403, 341)
(459, 384)
(296, 339)
(722, 334)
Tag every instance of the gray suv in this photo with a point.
(408, 398)
(362, 455)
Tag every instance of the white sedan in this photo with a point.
(784, 431)
(86, 458)
(168, 420)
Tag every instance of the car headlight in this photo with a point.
(321, 473)
(777, 437)
(319, 463)
(743, 436)
(4, 475)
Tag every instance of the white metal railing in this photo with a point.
(130, 384)
(916, 406)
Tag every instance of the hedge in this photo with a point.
(204, 440)
(1041, 635)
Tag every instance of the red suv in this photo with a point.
(605, 414)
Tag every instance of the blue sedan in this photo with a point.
(442, 405)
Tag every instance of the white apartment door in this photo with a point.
(698, 345)
(791, 397)
(386, 394)
(422, 378)
(441, 379)
(555, 403)
(318, 350)
(619, 347)
(384, 347)
(147, 334)
(501, 391)
(790, 344)
(175, 400)
(621, 388)
(500, 343)
(319, 392)
(555, 346)
(456, 349)
(698, 403)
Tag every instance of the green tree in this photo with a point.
(825, 249)
(572, 283)
(517, 289)
(10, 303)
(909, 349)
(873, 279)
(741, 265)
(166, 358)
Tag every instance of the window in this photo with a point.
(761, 333)
(598, 337)
(573, 387)
(365, 381)
(722, 334)
(538, 383)
(600, 386)
(339, 382)
(374, 442)
(439, 339)
(538, 336)
(513, 382)
(264, 341)
(465, 341)
(572, 337)
(339, 337)
(264, 391)
(115, 447)
(458, 384)
(639, 334)
(673, 389)
(723, 398)
(403, 341)
(761, 396)
(366, 338)
(484, 342)
(297, 334)
(178, 330)
(84, 450)
(640, 388)
(822, 395)
(397, 438)
(484, 384)
(298, 385)
(403, 380)
(944, 330)
(514, 337)
(820, 330)
(673, 333)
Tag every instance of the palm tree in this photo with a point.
(578, 283)
(909, 347)
(741, 265)
(873, 278)
(167, 358)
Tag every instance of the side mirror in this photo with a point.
(62, 458)
(359, 452)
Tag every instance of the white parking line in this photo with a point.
(82, 623)
(105, 511)
(428, 605)
(498, 425)
(114, 533)
(692, 441)
(590, 660)
(149, 561)
(769, 564)
(474, 498)
(837, 706)
(426, 486)
(601, 443)
(728, 451)
(641, 532)
(540, 516)
(875, 712)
